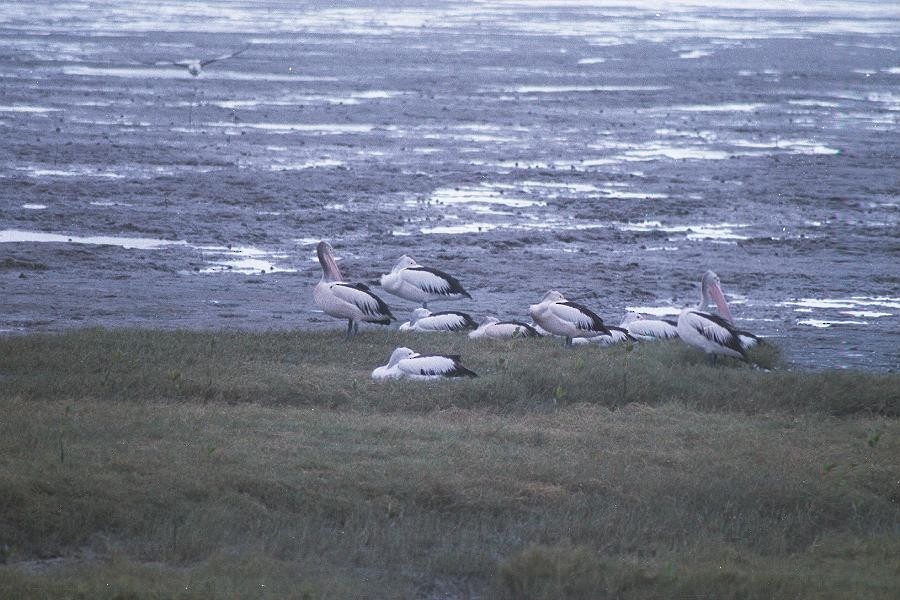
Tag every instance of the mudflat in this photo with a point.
(612, 153)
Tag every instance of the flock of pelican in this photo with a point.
(714, 333)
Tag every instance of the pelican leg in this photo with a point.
(713, 359)
(568, 342)
(350, 329)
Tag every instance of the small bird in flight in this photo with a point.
(195, 65)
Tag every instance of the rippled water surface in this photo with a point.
(613, 152)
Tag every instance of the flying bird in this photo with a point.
(195, 66)
(352, 301)
(407, 364)
(714, 334)
(446, 320)
(411, 281)
(561, 317)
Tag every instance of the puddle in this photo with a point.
(320, 128)
(17, 236)
(723, 232)
(34, 206)
(568, 89)
(837, 303)
(485, 194)
(324, 163)
(27, 109)
(166, 72)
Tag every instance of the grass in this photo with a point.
(148, 464)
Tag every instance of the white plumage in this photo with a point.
(352, 301)
(446, 320)
(411, 281)
(408, 364)
(494, 328)
(714, 334)
(646, 329)
(616, 335)
(560, 317)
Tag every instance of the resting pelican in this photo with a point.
(407, 364)
(494, 328)
(446, 320)
(195, 65)
(617, 335)
(411, 281)
(646, 329)
(714, 334)
(352, 301)
(558, 316)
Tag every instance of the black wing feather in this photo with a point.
(596, 322)
(453, 285)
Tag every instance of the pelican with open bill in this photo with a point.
(352, 301)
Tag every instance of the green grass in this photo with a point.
(147, 464)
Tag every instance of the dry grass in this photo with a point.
(260, 469)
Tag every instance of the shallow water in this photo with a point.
(611, 152)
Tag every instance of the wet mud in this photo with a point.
(611, 153)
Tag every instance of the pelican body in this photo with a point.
(646, 329)
(352, 301)
(408, 364)
(494, 328)
(411, 281)
(714, 334)
(446, 320)
(617, 335)
(560, 317)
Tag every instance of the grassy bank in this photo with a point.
(166, 464)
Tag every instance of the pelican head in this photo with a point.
(711, 289)
(330, 270)
(420, 313)
(553, 296)
(405, 262)
(631, 317)
(399, 354)
(488, 321)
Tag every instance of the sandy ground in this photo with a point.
(614, 154)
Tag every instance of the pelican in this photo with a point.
(411, 281)
(195, 65)
(617, 335)
(352, 301)
(494, 328)
(558, 316)
(650, 329)
(407, 364)
(714, 334)
(446, 320)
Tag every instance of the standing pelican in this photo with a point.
(558, 316)
(492, 327)
(650, 329)
(405, 363)
(445, 320)
(352, 301)
(411, 281)
(714, 334)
